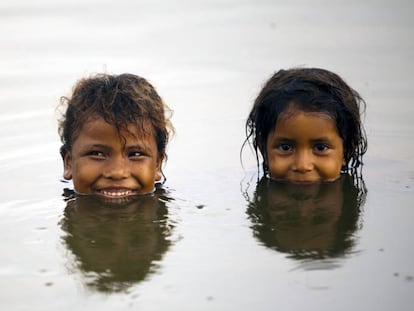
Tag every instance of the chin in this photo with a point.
(112, 197)
(99, 200)
(296, 181)
(304, 182)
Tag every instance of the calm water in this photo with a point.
(215, 239)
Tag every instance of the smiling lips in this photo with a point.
(116, 193)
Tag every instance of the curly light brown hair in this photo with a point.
(120, 100)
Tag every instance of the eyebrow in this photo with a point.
(321, 139)
(282, 139)
(101, 146)
(138, 147)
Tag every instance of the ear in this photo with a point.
(158, 172)
(67, 163)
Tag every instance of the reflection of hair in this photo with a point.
(118, 245)
(120, 100)
(266, 229)
(310, 90)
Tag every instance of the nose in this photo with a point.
(116, 168)
(303, 161)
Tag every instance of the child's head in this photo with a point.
(114, 133)
(304, 120)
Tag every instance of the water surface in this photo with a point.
(220, 240)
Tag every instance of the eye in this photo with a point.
(320, 147)
(285, 147)
(135, 154)
(96, 154)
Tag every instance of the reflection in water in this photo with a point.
(116, 245)
(315, 221)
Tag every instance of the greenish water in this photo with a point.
(216, 239)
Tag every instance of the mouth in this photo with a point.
(116, 193)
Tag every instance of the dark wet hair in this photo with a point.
(309, 90)
(120, 100)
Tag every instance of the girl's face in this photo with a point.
(101, 163)
(304, 147)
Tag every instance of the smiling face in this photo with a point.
(304, 147)
(112, 164)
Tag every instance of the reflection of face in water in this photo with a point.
(116, 244)
(306, 221)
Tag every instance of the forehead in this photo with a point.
(294, 108)
(305, 124)
(98, 128)
(295, 119)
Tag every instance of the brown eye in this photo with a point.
(96, 154)
(320, 147)
(285, 147)
(135, 154)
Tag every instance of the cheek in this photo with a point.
(277, 166)
(331, 169)
(83, 174)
